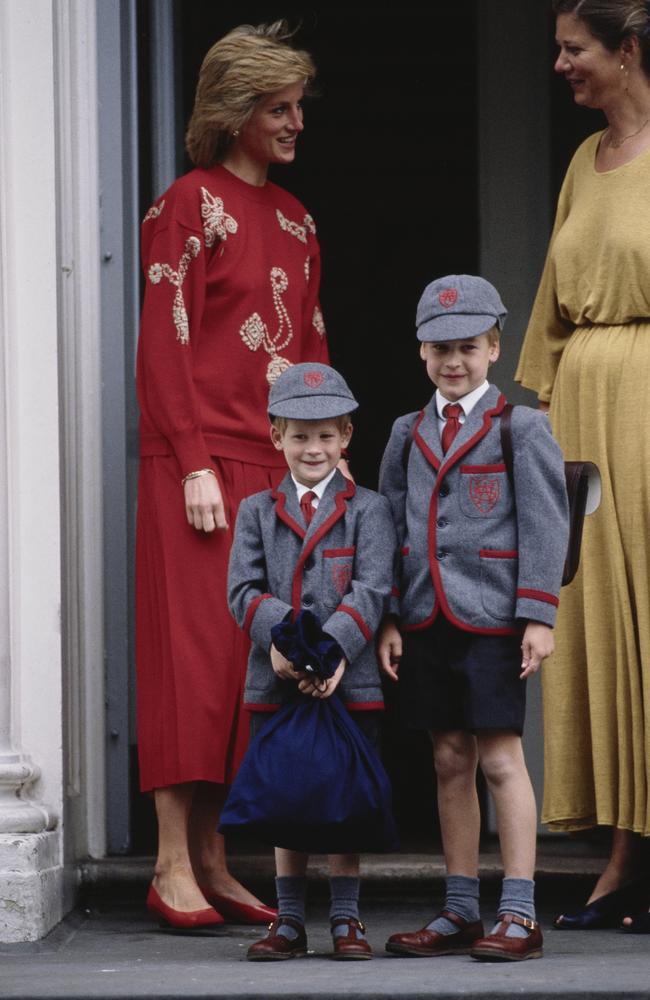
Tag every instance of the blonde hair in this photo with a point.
(246, 64)
(493, 335)
(341, 422)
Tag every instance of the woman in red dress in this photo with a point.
(232, 272)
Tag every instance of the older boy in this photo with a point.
(322, 543)
(481, 574)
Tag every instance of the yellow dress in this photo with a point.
(587, 350)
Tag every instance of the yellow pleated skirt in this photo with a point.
(596, 687)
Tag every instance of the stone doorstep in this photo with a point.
(125, 877)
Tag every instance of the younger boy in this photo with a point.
(322, 543)
(481, 573)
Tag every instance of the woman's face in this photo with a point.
(269, 136)
(592, 71)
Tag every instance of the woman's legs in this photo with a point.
(173, 875)
(207, 847)
(623, 863)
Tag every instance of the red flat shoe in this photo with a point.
(240, 913)
(181, 920)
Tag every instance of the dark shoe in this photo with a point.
(429, 943)
(607, 910)
(349, 947)
(181, 920)
(240, 913)
(497, 947)
(640, 924)
(275, 947)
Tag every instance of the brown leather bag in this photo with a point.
(578, 476)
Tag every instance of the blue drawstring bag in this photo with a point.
(310, 780)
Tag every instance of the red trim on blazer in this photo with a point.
(405, 551)
(421, 443)
(483, 468)
(280, 505)
(394, 592)
(353, 613)
(252, 608)
(340, 506)
(498, 554)
(253, 706)
(539, 595)
(332, 553)
(451, 458)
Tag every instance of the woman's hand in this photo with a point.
(538, 643)
(204, 504)
(322, 689)
(544, 407)
(390, 648)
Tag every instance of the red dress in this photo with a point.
(232, 274)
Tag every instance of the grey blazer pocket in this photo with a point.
(484, 490)
(338, 565)
(499, 582)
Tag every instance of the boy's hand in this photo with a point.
(283, 667)
(538, 643)
(322, 689)
(390, 648)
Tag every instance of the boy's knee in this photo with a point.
(453, 756)
(501, 762)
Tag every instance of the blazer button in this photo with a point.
(444, 490)
(309, 562)
(441, 553)
(307, 600)
(442, 522)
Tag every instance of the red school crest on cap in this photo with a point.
(448, 298)
(313, 379)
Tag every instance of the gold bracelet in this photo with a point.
(195, 475)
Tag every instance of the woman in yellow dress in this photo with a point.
(587, 355)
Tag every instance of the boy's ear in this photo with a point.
(276, 437)
(346, 436)
(423, 350)
(494, 352)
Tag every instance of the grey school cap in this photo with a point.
(310, 392)
(457, 307)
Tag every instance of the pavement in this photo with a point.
(110, 948)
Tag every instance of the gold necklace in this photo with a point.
(617, 143)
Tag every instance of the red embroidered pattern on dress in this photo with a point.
(159, 271)
(255, 333)
(216, 221)
(154, 211)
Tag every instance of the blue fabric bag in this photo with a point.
(310, 780)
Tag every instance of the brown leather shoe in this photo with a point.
(429, 943)
(275, 947)
(497, 947)
(348, 947)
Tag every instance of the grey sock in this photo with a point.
(517, 896)
(461, 898)
(291, 891)
(344, 902)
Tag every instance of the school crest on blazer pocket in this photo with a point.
(483, 490)
(337, 574)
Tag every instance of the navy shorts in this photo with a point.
(369, 723)
(450, 679)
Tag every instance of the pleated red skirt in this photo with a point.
(190, 655)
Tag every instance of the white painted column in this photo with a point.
(31, 759)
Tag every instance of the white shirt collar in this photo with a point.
(318, 489)
(467, 402)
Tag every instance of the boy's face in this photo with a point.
(312, 448)
(457, 367)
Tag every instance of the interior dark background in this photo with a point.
(388, 167)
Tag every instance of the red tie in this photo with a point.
(308, 510)
(452, 412)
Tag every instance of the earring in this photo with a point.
(236, 132)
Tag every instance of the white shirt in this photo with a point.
(467, 404)
(318, 489)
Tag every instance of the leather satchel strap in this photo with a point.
(506, 440)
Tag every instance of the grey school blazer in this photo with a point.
(487, 559)
(341, 567)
